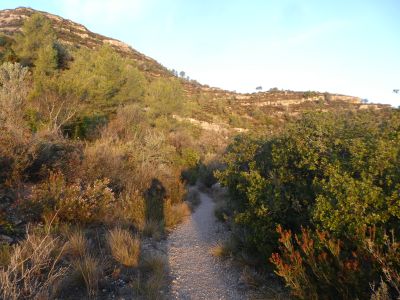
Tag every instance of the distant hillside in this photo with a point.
(213, 105)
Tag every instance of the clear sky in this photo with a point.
(342, 46)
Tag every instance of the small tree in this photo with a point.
(273, 90)
(165, 97)
(37, 35)
(13, 92)
(259, 88)
(182, 74)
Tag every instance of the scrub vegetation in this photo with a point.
(99, 145)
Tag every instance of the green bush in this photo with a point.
(334, 173)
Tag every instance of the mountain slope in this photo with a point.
(212, 105)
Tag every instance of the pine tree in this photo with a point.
(37, 36)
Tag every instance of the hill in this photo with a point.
(215, 108)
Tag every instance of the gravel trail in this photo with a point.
(194, 272)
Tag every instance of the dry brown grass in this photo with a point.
(33, 271)
(88, 269)
(125, 247)
(223, 248)
(131, 210)
(174, 214)
(152, 279)
(77, 244)
(152, 286)
(219, 250)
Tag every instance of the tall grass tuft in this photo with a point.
(125, 247)
(88, 268)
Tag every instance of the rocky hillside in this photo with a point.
(215, 104)
(75, 34)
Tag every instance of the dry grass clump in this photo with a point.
(221, 249)
(124, 247)
(77, 244)
(225, 248)
(105, 158)
(32, 272)
(149, 282)
(88, 269)
(152, 286)
(174, 214)
(131, 209)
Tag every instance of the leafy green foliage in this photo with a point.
(103, 78)
(338, 173)
(165, 97)
(334, 173)
(7, 54)
(37, 38)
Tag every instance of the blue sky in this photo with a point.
(350, 47)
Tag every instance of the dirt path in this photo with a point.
(194, 272)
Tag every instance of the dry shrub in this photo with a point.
(131, 209)
(52, 153)
(15, 152)
(124, 247)
(314, 263)
(387, 256)
(89, 269)
(70, 202)
(174, 214)
(13, 94)
(176, 190)
(106, 158)
(33, 271)
(126, 123)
